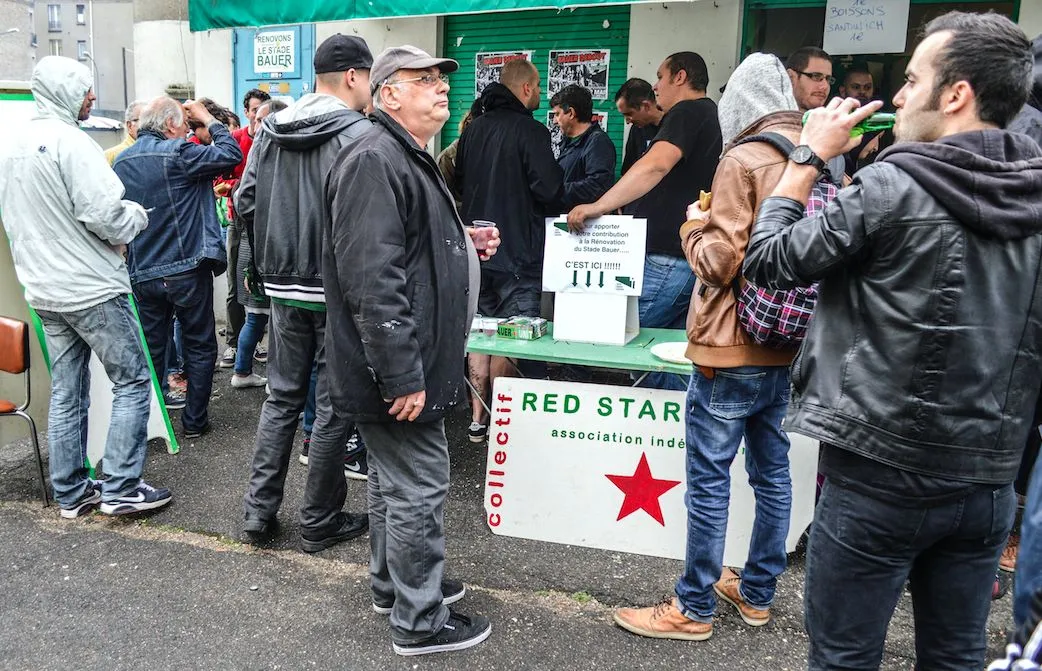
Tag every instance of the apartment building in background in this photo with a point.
(17, 55)
(98, 33)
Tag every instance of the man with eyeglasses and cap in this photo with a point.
(810, 70)
(281, 201)
(401, 276)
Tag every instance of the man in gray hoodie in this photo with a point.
(69, 227)
(282, 204)
(729, 364)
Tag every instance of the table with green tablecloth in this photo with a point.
(634, 355)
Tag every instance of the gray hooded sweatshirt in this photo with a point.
(758, 86)
(62, 204)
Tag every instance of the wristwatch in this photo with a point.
(804, 155)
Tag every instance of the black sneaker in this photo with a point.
(451, 592)
(356, 466)
(257, 531)
(141, 498)
(459, 633)
(303, 458)
(477, 433)
(197, 432)
(174, 399)
(351, 526)
(86, 503)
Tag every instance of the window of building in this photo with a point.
(32, 40)
(81, 49)
(81, 15)
(54, 18)
(56, 47)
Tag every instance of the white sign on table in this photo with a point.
(597, 276)
(604, 467)
(274, 51)
(606, 258)
(865, 26)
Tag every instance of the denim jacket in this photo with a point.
(173, 179)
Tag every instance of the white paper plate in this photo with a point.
(673, 352)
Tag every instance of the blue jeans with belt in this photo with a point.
(745, 402)
(110, 330)
(666, 295)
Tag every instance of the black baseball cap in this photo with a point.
(340, 53)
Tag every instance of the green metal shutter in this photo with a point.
(537, 31)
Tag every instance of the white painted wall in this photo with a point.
(1031, 17)
(379, 34)
(214, 71)
(164, 54)
(711, 28)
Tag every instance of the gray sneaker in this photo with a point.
(227, 359)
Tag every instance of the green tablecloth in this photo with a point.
(635, 355)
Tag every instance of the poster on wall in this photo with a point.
(557, 137)
(585, 67)
(487, 66)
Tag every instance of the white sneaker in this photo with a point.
(251, 380)
(227, 359)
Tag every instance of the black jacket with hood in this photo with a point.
(397, 269)
(507, 173)
(281, 197)
(1029, 121)
(923, 353)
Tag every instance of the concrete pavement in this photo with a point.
(178, 590)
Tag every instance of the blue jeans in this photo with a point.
(863, 550)
(1028, 580)
(309, 404)
(190, 297)
(251, 334)
(749, 402)
(668, 283)
(175, 351)
(111, 331)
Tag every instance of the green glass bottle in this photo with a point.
(876, 122)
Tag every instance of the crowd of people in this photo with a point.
(876, 293)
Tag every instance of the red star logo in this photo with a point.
(642, 491)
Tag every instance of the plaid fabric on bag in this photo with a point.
(778, 318)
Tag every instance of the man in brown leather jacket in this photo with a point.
(739, 388)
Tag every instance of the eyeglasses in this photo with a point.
(818, 77)
(427, 80)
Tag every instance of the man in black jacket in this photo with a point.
(508, 175)
(401, 277)
(920, 370)
(281, 200)
(587, 154)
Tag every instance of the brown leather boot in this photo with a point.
(662, 621)
(727, 589)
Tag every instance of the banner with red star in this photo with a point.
(603, 466)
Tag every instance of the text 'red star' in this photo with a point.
(642, 491)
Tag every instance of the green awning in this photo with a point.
(211, 14)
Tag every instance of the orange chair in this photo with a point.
(14, 359)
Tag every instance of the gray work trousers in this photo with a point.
(295, 340)
(408, 482)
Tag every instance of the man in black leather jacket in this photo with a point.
(920, 369)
